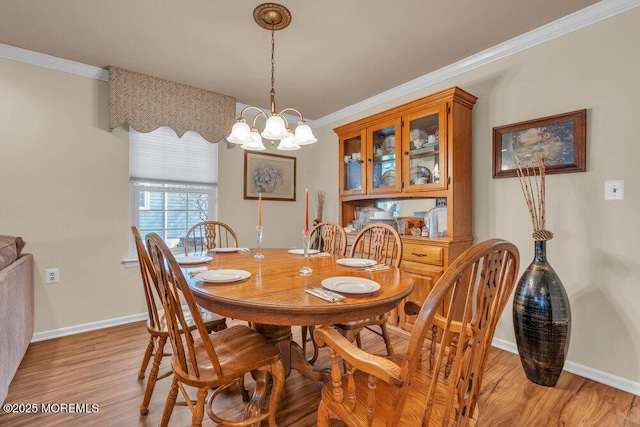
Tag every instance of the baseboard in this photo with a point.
(583, 371)
(86, 327)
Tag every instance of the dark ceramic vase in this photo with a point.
(541, 320)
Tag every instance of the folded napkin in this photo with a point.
(377, 267)
(321, 254)
(193, 271)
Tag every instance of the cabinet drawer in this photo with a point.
(422, 253)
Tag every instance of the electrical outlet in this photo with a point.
(52, 275)
(614, 190)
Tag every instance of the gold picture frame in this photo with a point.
(272, 175)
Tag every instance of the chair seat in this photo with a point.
(240, 349)
(210, 320)
(413, 409)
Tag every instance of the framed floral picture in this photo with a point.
(271, 175)
(560, 139)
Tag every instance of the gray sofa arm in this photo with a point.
(16, 317)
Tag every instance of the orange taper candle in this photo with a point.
(260, 210)
(306, 210)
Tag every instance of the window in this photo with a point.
(144, 200)
(173, 183)
(171, 210)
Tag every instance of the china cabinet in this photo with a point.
(370, 158)
(421, 149)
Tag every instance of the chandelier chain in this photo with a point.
(273, 60)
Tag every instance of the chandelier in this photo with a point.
(271, 16)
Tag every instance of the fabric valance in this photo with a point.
(147, 103)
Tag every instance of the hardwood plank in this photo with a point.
(101, 367)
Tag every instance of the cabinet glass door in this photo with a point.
(384, 148)
(425, 150)
(353, 167)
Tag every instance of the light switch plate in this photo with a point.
(614, 190)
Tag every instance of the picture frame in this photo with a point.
(560, 138)
(272, 175)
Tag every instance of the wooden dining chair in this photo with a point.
(442, 389)
(210, 361)
(329, 237)
(382, 243)
(207, 235)
(157, 323)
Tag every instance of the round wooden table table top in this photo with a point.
(275, 292)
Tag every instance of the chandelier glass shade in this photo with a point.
(273, 17)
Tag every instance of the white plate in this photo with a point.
(222, 276)
(199, 259)
(356, 262)
(301, 251)
(350, 285)
(223, 250)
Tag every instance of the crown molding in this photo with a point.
(597, 12)
(53, 62)
(583, 18)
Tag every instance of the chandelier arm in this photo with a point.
(251, 107)
(294, 110)
(255, 118)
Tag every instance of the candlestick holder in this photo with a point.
(259, 254)
(306, 241)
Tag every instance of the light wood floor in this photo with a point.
(101, 368)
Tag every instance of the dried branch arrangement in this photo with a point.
(320, 204)
(532, 182)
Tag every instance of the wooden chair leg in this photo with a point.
(243, 391)
(387, 339)
(198, 410)
(153, 376)
(170, 403)
(305, 340)
(323, 419)
(146, 357)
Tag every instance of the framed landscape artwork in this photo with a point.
(271, 175)
(561, 139)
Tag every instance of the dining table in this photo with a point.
(270, 294)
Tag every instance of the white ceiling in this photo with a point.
(334, 53)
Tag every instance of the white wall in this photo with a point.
(596, 244)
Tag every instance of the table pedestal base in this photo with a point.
(290, 352)
(291, 356)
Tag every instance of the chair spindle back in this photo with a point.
(175, 293)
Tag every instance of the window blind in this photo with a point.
(161, 156)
